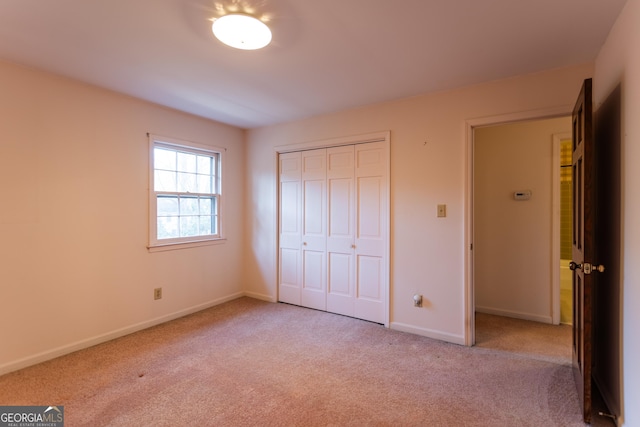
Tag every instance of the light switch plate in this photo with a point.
(442, 211)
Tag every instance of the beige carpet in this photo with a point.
(531, 339)
(252, 363)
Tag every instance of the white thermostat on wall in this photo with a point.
(522, 195)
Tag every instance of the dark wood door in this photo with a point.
(607, 346)
(583, 245)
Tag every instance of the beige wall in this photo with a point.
(513, 239)
(428, 167)
(73, 219)
(619, 62)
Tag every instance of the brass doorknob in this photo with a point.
(586, 267)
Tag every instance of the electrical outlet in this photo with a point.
(417, 300)
(157, 293)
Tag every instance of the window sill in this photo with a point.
(185, 245)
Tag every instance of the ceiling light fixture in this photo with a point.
(241, 31)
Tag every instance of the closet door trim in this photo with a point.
(334, 142)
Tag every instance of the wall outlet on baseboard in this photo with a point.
(157, 293)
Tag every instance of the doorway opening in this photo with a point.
(514, 222)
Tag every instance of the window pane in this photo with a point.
(186, 162)
(164, 159)
(168, 227)
(164, 181)
(205, 225)
(189, 206)
(186, 182)
(204, 165)
(188, 226)
(206, 206)
(204, 184)
(167, 205)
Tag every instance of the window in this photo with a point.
(184, 193)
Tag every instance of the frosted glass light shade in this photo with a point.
(241, 31)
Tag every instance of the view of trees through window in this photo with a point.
(186, 187)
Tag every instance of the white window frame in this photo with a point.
(156, 244)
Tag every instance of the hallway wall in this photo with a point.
(513, 238)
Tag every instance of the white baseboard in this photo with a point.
(263, 297)
(429, 333)
(515, 314)
(80, 345)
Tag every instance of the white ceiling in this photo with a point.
(326, 55)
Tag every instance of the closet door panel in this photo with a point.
(341, 230)
(314, 229)
(371, 230)
(290, 278)
(370, 233)
(370, 277)
(340, 272)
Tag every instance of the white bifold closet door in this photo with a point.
(333, 230)
(314, 229)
